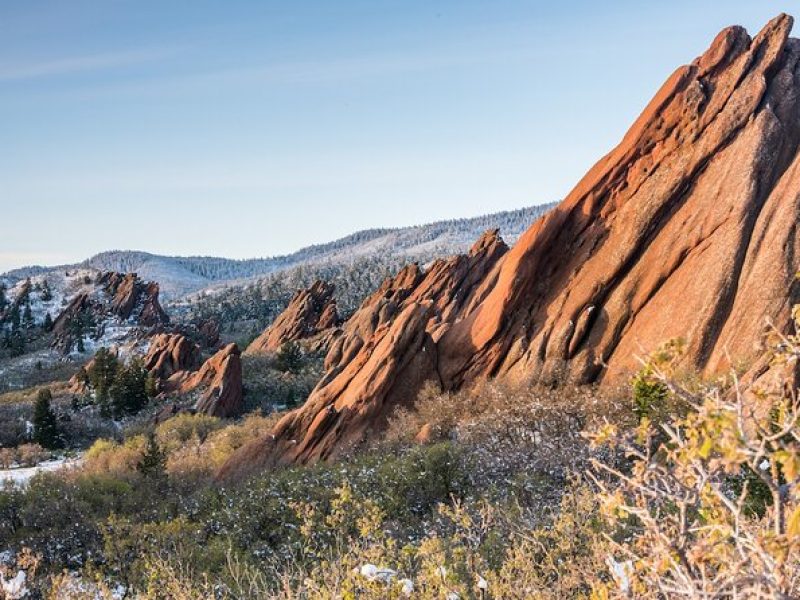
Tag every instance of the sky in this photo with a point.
(254, 128)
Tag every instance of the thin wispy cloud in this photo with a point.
(333, 70)
(79, 64)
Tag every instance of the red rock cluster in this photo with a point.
(215, 385)
(217, 382)
(130, 296)
(125, 296)
(171, 353)
(687, 229)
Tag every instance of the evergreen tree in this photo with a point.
(290, 357)
(45, 425)
(16, 343)
(101, 376)
(3, 298)
(14, 317)
(47, 324)
(129, 391)
(27, 316)
(153, 461)
(46, 294)
(151, 386)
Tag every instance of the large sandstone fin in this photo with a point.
(688, 228)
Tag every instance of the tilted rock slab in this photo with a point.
(687, 229)
(311, 313)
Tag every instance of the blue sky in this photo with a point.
(247, 129)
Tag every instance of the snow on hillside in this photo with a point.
(178, 276)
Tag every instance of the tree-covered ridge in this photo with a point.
(181, 275)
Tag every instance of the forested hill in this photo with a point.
(181, 275)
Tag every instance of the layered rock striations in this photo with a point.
(687, 229)
(311, 316)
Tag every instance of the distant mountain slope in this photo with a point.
(178, 276)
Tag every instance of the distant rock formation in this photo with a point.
(171, 353)
(310, 316)
(119, 297)
(219, 382)
(687, 229)
(130, 296)
(215, 385)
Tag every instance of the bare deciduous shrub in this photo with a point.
(30, 455)
(710, 505)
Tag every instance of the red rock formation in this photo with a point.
(686, 229)
(125, 298)
(387, 352)
(219, 382)
(129, 294)
(170, 353)
(310, 313)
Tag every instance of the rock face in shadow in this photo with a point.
(219, 382)
(310, 314)
(687, 229)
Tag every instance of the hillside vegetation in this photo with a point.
(182, 275)
(669, 488)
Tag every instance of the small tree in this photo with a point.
(129, 390)
(101, 374)
(153, 461)
(290, 357)
(27, 316)
(45, 424)
(151, 385)
(46, 294)
(47, 324)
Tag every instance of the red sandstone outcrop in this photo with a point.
(170, 353)
(219, 381)
(387, 352)
(130, 296)
(687, 229)
(119, 296)
(216, 383)
(310, 314)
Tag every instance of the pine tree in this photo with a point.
(151, 386)
(129, 391)
(47, 324)
(101, 376)
(17, 343)
(290, 357)
(45, 425)
(46, 294)
(153, 461)
(3, 298)
(27, 316)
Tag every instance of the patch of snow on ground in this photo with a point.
(21, 476)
